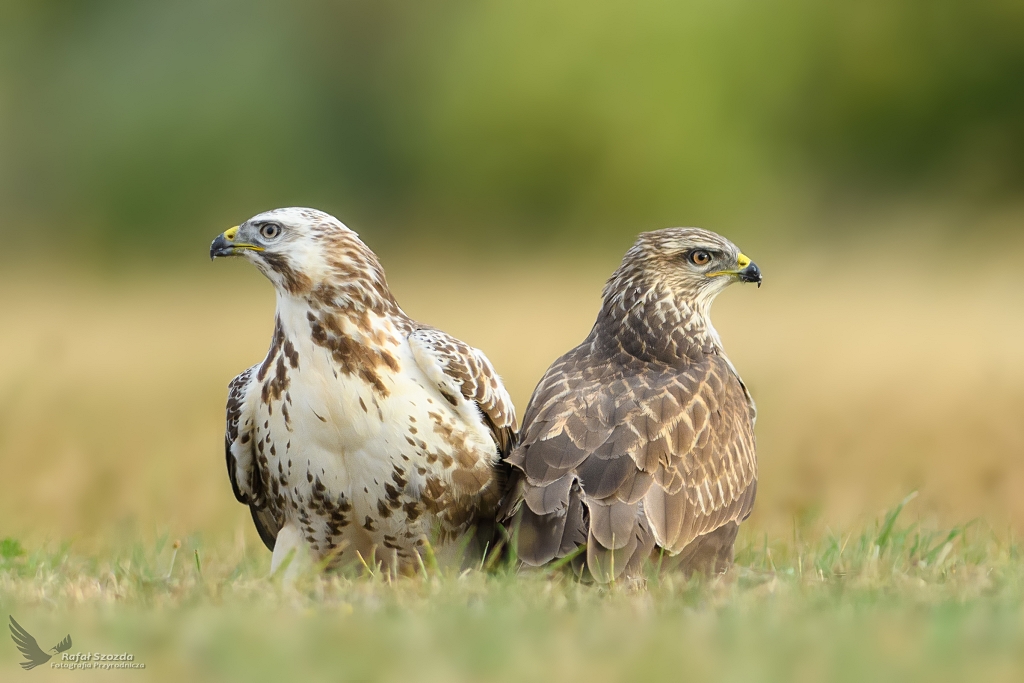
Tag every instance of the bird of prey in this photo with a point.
(363, 434)
(643, 435)
(29, 648)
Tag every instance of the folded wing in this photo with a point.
(625, 455)
(458, 369)
(240, 454)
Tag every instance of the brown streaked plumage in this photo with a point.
(363, 434)
(643, 435)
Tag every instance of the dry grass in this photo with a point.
(874, 377)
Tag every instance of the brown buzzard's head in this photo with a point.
(298, 249)
(693, 264)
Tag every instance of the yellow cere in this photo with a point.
(230, 233)
(742, 261)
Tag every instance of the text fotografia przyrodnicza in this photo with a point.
(97, 660)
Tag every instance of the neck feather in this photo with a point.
(653, 323)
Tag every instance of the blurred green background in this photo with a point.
(521, 125)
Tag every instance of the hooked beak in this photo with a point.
(747, 270)
(751, 274)
(225, 245)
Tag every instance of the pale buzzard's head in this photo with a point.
(693, 264)
(299, 249)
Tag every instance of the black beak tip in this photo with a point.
(220, 247)
(751, 274)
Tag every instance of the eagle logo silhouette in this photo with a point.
(34, 655)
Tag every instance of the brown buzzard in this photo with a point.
(643, 435)
(363, 434)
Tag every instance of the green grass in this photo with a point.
(894, 602)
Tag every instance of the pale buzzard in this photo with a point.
(643, 435)
(362, 432)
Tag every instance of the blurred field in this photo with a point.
(876, 373)
(878, 370)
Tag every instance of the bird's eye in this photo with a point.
(270, 230)
(699, 257)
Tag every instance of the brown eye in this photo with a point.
(699, 257)
(270, 230)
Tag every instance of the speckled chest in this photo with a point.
(358, 450)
